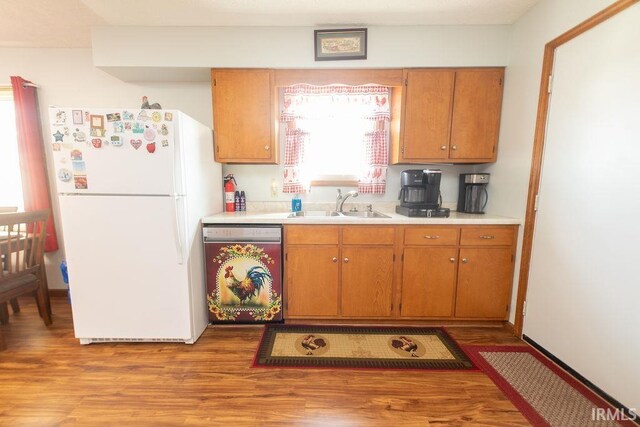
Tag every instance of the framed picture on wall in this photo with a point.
(336, 45)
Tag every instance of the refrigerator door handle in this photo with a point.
(176, 229)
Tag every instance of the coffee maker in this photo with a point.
(420, 193)
(472, 193)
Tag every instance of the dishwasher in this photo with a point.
(244, 273)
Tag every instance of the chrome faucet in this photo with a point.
(340, 199)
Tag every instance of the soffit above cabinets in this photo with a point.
(67, 23)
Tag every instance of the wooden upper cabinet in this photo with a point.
(450, 115)
(243, 116)
(476, 115)
(427, 113)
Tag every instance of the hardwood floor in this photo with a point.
(48, 378)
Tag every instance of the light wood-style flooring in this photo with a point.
(48, 378)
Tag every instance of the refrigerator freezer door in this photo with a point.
(125, 278)
(116, 151)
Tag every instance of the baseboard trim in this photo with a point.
(57, 292)
(635, 418)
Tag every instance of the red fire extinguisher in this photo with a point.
(229, 191)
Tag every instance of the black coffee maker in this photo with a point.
(472, 193)
(420, 193)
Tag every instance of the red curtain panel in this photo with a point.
(33, 167)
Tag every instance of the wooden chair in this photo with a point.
(22, 260)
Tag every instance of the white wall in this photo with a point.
(510, 175)
(583, 285)
(67, 77)
(117, 50)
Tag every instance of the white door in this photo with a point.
(582, 299)
(117, 151)
(125, 272)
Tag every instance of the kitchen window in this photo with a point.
(11, 195)
(335, 134)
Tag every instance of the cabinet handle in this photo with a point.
(334, 259)
(464, 260)
(346, 259)
(266, 147)
(452, 259)
(431, 237)
(454, 147)
(487, 237)
(443, 147)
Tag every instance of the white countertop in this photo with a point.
(282, 218)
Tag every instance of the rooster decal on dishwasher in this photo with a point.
(250, 286)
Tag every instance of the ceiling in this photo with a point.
(67, 23)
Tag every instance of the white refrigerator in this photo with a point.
(132, 186)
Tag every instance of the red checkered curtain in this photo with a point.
(307, 104)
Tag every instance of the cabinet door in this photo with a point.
(428, 282)
(476, 115)
(426, 115)
(312, 280)
(242, 116)
(484, 282)
(367, 281)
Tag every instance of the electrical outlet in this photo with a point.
(274, 189)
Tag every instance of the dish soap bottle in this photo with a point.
(296, 204)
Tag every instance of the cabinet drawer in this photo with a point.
(311, 235)
(487, 236)
(365, 235)
(430, 236)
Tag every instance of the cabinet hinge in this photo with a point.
(507, 309)
(535, 204)
(550, 85)
(214, 82)
(402, 257)
(217, 148)
(400, 308)
(524, 308)
(286, 257)
(493, 149)
(402, 149)
(513, 257)
(394, 257)
(406, 82)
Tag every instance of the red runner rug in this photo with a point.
(544, 393)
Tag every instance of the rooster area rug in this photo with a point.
(299, 346)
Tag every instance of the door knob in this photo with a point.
(464, 260)
(443, 147)
(266, 147)
(346, 259)
(334, 259)
(452, 259)
(454, 147)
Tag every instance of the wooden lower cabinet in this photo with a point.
(445, 272)
(367, 278)
(312, 280)
(484, 283)
(428, 282)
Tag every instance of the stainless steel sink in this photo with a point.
(366, 214)
(313, 214)
(325, 214)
